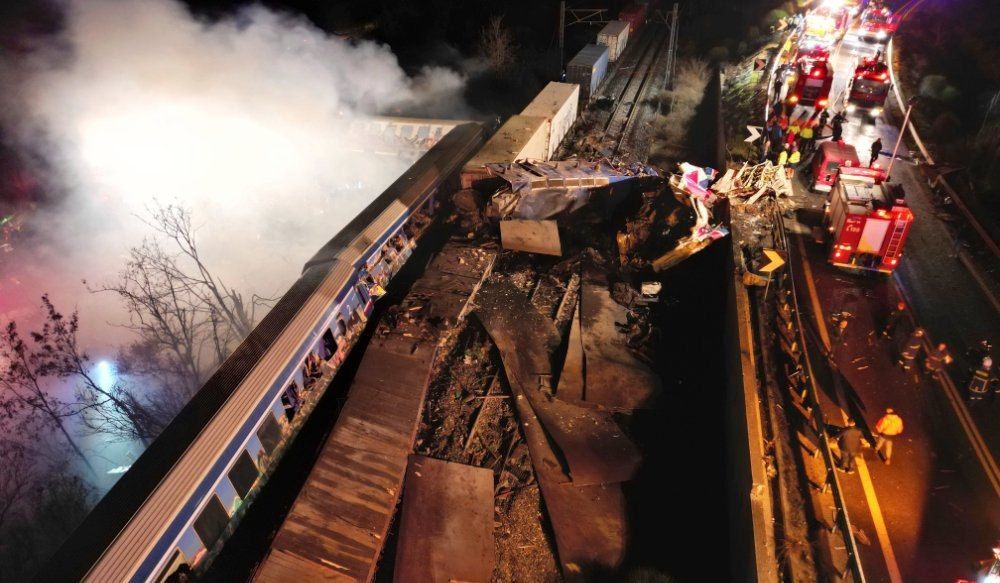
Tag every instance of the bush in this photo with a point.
(718, 54)
(938, 87)
(946, 126)
(774, 16)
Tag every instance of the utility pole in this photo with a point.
(562, 34)
(668, 79)
(902, 129)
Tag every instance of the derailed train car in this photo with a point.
(185, 494)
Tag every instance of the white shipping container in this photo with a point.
(614, 35)
(557, 102)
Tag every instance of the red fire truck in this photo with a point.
(868, 220)
(813, 80)
(829, 158)
(869, 87)
(878, 24)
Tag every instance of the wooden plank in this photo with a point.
(531, 236)
(446, 532)
(614, 377)
(596, 450)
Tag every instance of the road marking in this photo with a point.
(979, 446)
(880, 530)
(866, 482)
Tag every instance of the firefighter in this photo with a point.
(838, 126)
(824, 117)
(886, 428)
(895, 318)
(937, 358)
(876, 150)
(912, 347)
(981, 380)
(849, 439)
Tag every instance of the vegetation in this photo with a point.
(671, 131)
(948, 56)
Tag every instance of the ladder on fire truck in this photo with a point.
(896, 238)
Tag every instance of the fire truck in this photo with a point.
(869, 87)
(813, 80)
(825, 25)
(868, 220)
(878, 24)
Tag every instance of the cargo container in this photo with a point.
(558, 103)
(523, 137)
(614, 35)
(587, 69)
(635, 16)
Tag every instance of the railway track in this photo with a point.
(623, 117)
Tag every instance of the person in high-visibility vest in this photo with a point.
(807, 136)
(889, 426)
(783, 155)
(795, 157)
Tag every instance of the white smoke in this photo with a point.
(242, 120)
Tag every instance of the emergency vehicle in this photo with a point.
(878, 24)
(868, 220)
(813, 81)
(829, 157)
(825, 25)
(869, 87)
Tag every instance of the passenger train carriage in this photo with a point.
(185, 494)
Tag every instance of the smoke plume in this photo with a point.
(243, 120)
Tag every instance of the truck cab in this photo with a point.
(827, 162)
(878, 24)
(869, 87)
(813, 80)
(868, 221)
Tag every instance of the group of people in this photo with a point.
(791, 139)
(851, 439)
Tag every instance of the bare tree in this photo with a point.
(112, 408)
(496, 43)
(26, 405)
(15, 478)
(187, 319)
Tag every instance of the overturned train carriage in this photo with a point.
(186, 492)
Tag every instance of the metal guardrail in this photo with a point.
(806, 396)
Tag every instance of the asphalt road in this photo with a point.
(934, 512)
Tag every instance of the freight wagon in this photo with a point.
(614, 35)
(587, 69)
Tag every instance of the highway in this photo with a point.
(932, 513)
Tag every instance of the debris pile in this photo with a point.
(754, 181)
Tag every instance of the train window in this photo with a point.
(329, 344)
(176, 560)
(211, 522)
(191, 546)
(243, 474)
(269, 434)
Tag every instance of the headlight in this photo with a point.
(880, 34)
(851, 108)
(992, 578)
(875, 112)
